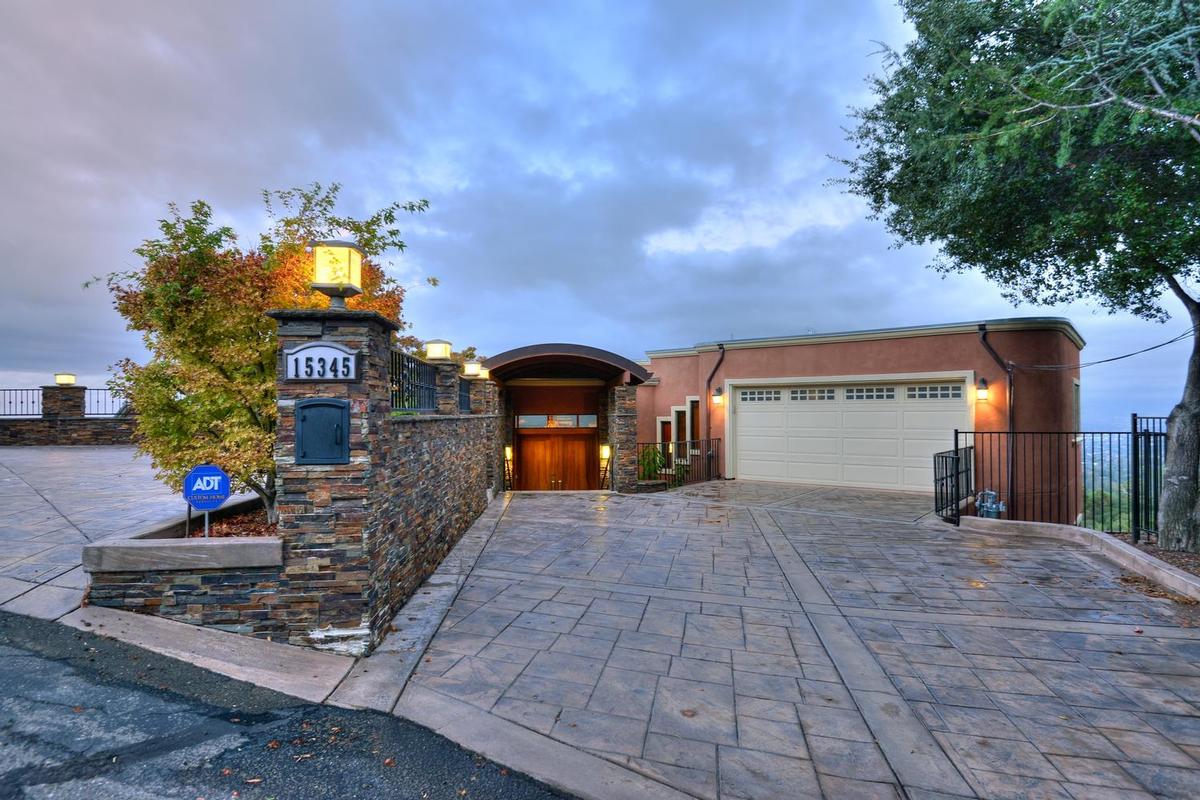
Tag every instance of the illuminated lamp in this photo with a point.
(981, 390)
(718, 396)
(605, 452)
(484, 372)
(437, 350)
(471, 369)
(64, 379)
(337, 270)
(508, 452)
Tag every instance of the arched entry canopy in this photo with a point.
(565, 361)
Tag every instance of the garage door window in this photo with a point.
(937, 391)
(761, 395)
(812, 394)
(871, 393)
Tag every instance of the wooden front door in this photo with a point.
(557, 461)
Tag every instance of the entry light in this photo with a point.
(64, 379)
(437, 350)
(605, 452)
(484, 372)
(471, 369)
(718, 396)
(981, 390)
(337, 270)
(508, 452)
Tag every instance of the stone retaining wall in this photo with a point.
(40, 432)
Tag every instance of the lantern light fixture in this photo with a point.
(605, 452)
(471, 369)
(337, 270)
(484, 372)
(508, 452)
(718, 396)
(64, 379)
(981, 390)
(437, 350)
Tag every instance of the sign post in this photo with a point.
(205, 488)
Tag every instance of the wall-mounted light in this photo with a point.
(981, 390)
(471, 369)
(484, 372)
(337, 270)
(64, 379)
(718, 396)
(508, 452)
(605, 452)
(437, 350)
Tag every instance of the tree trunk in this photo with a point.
(1179, 503)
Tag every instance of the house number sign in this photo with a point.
(321, 361)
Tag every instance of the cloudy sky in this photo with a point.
(623, 174)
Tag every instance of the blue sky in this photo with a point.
(628, 175)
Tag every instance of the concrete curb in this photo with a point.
(154, 555)
(296, 671)
(1123, 555)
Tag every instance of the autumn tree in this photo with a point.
(1055, 148)
(207, 394)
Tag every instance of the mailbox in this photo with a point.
(323, 431)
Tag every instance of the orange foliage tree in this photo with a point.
(207, 394)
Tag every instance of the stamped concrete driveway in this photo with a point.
(53, 501)
(751, 641)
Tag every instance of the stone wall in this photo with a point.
(63, 422)
(250, 601)
(622, 434)
(34, 431)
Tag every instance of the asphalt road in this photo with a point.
(86, 717)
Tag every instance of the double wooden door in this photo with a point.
(557, 461)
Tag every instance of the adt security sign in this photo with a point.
(206, 487)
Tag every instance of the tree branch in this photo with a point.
(1189, 302)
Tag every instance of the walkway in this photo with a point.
(53, 501)
(755, 641)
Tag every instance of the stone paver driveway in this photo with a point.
(750, 641)
(53, 501)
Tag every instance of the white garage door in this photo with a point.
(879, 435)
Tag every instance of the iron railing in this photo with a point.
(103, 403)
(413, 383)
(953, 481)
(20, 402)
(464, 396)
(679, 463)
(1104, 480)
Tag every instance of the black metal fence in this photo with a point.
(413, 383)
(679, 463)
(20, 402)
(103, 403)
(1104, 480)
(464, 396)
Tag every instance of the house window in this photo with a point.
(694, 421)
(813, 394)
(871, 393)
(935, 391)
(761, 395)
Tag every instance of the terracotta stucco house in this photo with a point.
(861, 408)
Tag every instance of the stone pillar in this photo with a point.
(63, 401)
(485, 397)
(447, 388)
(622, 435)
(485, 400)
(329, 515)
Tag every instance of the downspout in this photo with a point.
(1008, 368)
(708, 406)
(708, 393)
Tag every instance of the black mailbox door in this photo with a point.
(323, 431)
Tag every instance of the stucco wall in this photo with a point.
(1044, 399)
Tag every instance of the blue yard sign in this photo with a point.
(206, 487)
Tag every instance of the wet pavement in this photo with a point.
(742, 640)
(53, 501)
